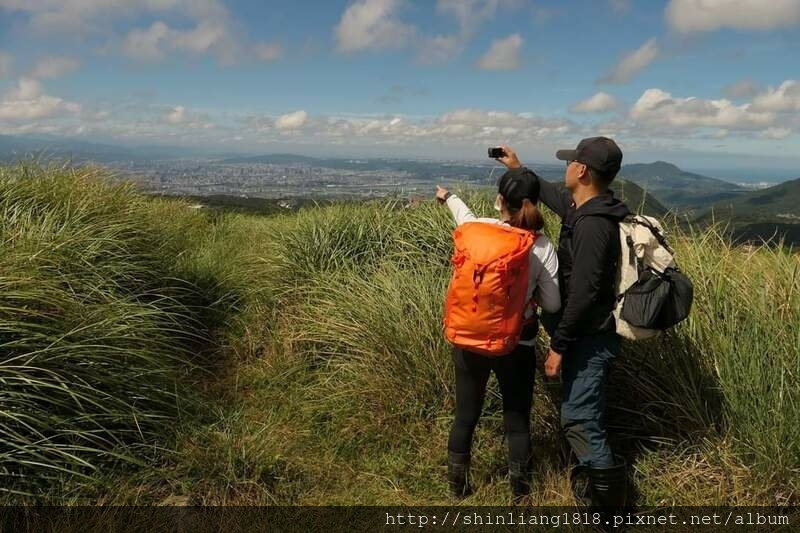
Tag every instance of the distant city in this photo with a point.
(193, 172)
(180, 171)
(752, 210)
(277, 177)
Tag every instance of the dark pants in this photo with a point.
(515, 375)
(584, 371)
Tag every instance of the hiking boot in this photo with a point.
(458, 474)
(519, 477)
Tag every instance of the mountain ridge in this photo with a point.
(677, 188)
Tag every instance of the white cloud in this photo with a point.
(741, 89)
(786, 97)
(268, 52)
(146, 44)
(178, 115)
(392, 130)
(657, 116)
(657, 107)
(775, 133)
(291, 121)
(28, 102)
(54, 67)
(708, 15)
(599, 103)
(465, 126)
(201, 39)
(372, 25)
(95, 116)
(476, 124)
(632, 63)
(151, 44)
(470, 14)
(63, 16)
(375, 25)
(439, 49)
(27, 89)
(259, 124)
(6, 64)
(503, 54)
(181, 116)
(210, 30)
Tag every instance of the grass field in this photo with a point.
(151, 353)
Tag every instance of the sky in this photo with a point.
(706, 84)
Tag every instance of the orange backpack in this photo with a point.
(485, 304)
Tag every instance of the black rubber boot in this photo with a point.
(519, 476)
(458, 474)
(609, 490)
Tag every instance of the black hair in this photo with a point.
(603, 179)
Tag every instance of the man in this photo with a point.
(584, 342)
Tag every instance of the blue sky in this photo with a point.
(712, 84)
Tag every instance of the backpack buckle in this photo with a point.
(477, 275)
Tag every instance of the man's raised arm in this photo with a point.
(556, 198)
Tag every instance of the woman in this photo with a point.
(516, 202)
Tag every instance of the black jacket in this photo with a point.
(588, 253)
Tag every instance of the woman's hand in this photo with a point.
(510, 158)
(441, 192)
(552, 364)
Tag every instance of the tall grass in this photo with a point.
(101, 319)
(370, 322)
(331, 381)
(746, 326)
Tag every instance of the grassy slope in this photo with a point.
(332, 382)
(109, 309)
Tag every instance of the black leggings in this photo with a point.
(515, 375)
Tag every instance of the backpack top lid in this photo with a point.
(645, 236)
(483, 243)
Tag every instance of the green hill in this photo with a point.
(678, 189)
(151, 353)
(779, 204)
(637, 199)
(772, 213)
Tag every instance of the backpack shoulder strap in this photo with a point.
(642, 221)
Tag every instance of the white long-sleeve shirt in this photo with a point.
(543, 263)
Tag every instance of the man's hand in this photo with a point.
(552, 364)
(440, 193)
(510, 158)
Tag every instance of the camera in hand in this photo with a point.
(496, 152)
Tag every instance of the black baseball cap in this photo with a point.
(599, 153)
(516, 185)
